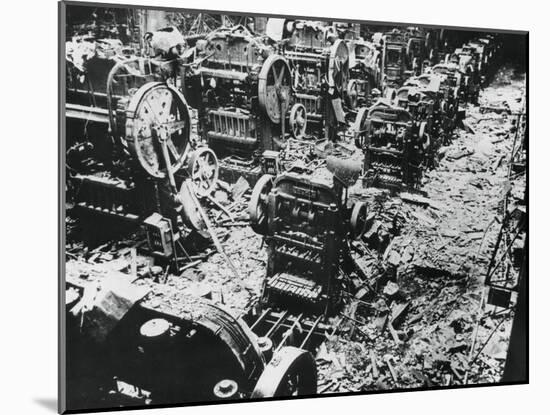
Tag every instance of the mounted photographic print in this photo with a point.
(258, 207)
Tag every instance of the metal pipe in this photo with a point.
(259, 320)
(289, 332)
(277, 324)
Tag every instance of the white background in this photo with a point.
(28, 223)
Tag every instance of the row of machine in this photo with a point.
(150, 132)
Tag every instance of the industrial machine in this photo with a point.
(451, 83)
(123, 349)
(424, 107)
(447, 100)
(427, 99)
(364, 68)
(394, 144)
(421, 49)
(307, 224)
(466, 59)
(319, 63)
(394, 62)
(406, 52)
(130, 159)
(243, 92)
(486, 51)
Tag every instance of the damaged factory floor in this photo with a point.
(416, 315)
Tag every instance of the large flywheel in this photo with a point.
(338, 68)
(275, 88)
(158, 126)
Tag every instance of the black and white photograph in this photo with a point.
(263, 207)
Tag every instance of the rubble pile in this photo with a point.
(419, 329)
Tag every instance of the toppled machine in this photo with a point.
(123, 349)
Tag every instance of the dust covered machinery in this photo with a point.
(488, 48)
(426, 100)
(447, 103)
(394, 62)
(307, 224)
(125, 350)
(476, 62)
(365, 66)
(421, 49)
(243, 92)
(424, 107)
(406, 52)
(466, 59)
(129, 156)
(319, 62)
(451, 81)
(394, 145)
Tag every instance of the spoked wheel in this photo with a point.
(275, 87)
(360, 127)
(358, 220)
(352, 93)
(338, 68)
(191, 215)
(291, 372)
(158, 126)
(298, 120)
(121, 83)
(257, 208)
(203, 171)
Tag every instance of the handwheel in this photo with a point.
(158, 128)
(203, 170)
(118, 84)
(358, 219)
(257, 208)
(275, 87)
(352, 93)
(298, 120)
(291, 372)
